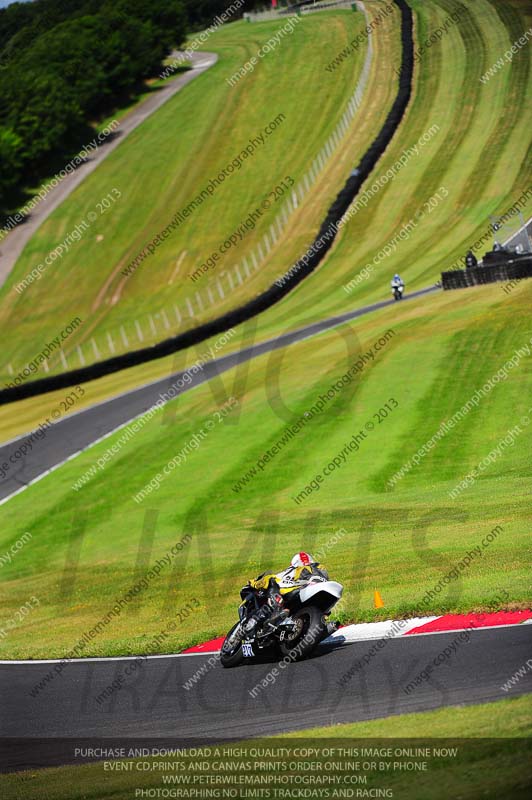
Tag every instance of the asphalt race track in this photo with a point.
(78, 431)
(153, 703)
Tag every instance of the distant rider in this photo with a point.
(303, 568)
(397, 282)
(470, 260)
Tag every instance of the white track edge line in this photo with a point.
(214, 652)
(95, 441)
(522, 228)
(152, 383)
(142, 413)
(178, 374)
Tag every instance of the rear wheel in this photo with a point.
(231, 654)
(309, 630)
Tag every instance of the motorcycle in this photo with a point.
(296, 626)
(397, 291)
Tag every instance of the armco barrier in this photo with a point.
(511, 270)
(297, 273)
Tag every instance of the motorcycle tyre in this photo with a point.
(316, 621)
(232, 659)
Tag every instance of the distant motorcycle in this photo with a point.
(397, 291)
(296, 627)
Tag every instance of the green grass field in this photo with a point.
(478, 152)
(378, 520)
(90, 546)
(170, 159)
(480, 155)
(490, 763)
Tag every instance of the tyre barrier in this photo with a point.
(282, 286)
(507, 271)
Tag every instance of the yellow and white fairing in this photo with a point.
(289, 579)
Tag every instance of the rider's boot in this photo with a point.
(332, 627)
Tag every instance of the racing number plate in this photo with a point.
(247, 650)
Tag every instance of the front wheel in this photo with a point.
(309, 630)
(231, 654)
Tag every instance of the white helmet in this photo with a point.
(302, 560)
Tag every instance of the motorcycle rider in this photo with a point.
(303, 568)
(397, 281)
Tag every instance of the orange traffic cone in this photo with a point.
(377, 599)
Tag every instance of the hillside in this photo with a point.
(405, 491)
(156, 173)
(401, 536)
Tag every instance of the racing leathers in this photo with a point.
(276, 586)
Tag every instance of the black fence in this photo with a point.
(513, 269)
(304, 267)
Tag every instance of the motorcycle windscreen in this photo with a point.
(331, 589)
